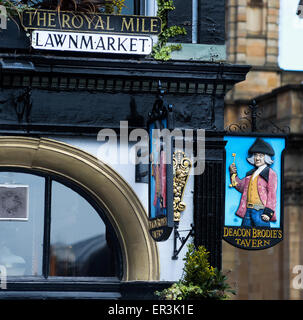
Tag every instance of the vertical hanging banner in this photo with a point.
(253, 191)
(161, 213)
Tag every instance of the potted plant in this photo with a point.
(199, 280)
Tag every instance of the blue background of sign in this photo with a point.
(240, 146)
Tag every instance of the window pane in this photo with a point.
(21, 223)
(129, 7)
(78, 237)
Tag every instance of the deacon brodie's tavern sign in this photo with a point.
(91, 32)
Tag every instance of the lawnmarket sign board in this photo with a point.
(91, 32)
(97, 43)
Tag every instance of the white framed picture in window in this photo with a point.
(14, 202)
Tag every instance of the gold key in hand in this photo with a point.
(233, 176)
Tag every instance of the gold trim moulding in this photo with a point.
(181, 169)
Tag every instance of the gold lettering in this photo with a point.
(225, 234)
(247, 242)
(157, 233)
(99, 23)
(238, 241)
(154, 26)
(157, 223)
(254, 243)
(41, 19)
(259, 243)
(254, 233)
(143, 26)
(89, 21)
(65, 20)
(243, 244)
(51, 19)
(127, 25)
(108, 24)
(266, 243)
(31, 14)
(79, 19)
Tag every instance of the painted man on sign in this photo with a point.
(258, 187)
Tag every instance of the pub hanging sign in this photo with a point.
(91, 32)
(253, 191)
(161, 211)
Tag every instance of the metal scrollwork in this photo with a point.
(253, 121)
(181, 167)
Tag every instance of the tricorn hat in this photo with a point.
(260, 146)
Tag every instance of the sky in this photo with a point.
(291, 36)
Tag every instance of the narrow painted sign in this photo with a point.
(161, 209)
(87, 42)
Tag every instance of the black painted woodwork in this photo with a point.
(87, 94)
(209, 200)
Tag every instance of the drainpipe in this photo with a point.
(194, 21)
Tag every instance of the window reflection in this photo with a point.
(21, 239)
(128, 7)
(79, 241)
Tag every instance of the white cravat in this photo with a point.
(258, 171)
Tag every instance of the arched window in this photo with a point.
(49, 227)
(53, 259)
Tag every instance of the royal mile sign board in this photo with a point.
(91, 32)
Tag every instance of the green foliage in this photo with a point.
(14, 6)
(114, 6)
(162, 51)
(200, 280)
(111, 6)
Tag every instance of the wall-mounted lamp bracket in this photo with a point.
(183, 240)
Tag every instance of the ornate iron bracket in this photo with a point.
(161, 109)
(251, 122)
(183, 240)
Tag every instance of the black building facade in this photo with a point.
(50, 99)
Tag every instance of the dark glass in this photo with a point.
(129, 7)
(79, 245)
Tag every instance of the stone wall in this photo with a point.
(252, 38)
